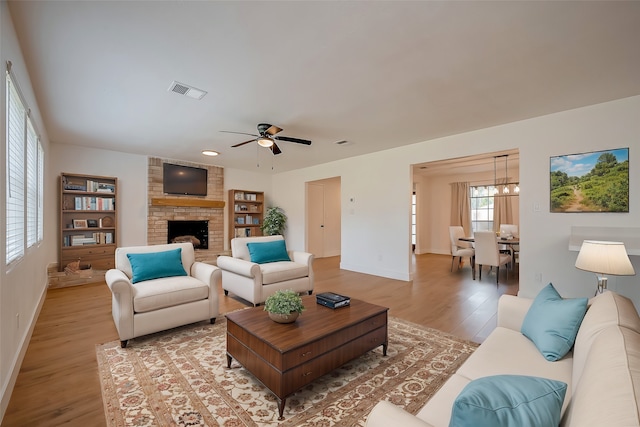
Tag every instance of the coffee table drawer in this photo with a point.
(310, 351)
(300, 376)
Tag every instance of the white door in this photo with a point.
(315, 219)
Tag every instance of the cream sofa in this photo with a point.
(602, 372)
(255, 282)
(162, 303)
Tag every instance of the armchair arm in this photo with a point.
(239, 266)
(118, 283)
(121, 302)
(212, 276)
(386, 414)
(301, 257)
(512, 310)
(206, 273)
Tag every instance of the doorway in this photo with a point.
(323, 217)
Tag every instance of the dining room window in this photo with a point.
(482, 202)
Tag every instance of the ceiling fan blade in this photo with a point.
(275, 149)
(240, 133)
(296, 140)
(273, 130)
(242, 143)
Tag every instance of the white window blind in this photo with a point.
(32, 185)
(40, 192)
(16, 119)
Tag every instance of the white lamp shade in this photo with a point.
(604, 258)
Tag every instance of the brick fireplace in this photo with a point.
(164, 208)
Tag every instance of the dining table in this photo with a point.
(511, 241)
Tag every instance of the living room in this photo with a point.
(376, 196)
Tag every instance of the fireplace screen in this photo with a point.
(196, 232)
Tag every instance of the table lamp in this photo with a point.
(604, 258)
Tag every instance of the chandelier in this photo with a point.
(506, 188)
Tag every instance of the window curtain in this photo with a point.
(461, 206)
(502, 211)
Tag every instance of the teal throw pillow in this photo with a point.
(552, 323)
(509, 400)
(263, 252)
(154, 265)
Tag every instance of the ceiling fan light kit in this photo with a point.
(267, 138)
(265, 142)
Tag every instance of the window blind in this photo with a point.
(32, 185)
(16, 120)
(40, 192)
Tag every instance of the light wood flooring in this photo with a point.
(58, 383)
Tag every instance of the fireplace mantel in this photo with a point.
(187, 202)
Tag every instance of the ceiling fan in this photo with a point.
(267, 137)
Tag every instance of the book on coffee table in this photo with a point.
(333, 300)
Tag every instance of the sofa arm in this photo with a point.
(512, 310)
(386, 414)
(239, 266)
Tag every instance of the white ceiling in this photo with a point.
(376, 74)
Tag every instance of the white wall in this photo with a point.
(376, 239)
(131, 171)
(23, 283)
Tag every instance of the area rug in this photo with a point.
(180, 377)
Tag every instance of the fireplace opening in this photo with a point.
(196, 232)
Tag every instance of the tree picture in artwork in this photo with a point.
(597, 181)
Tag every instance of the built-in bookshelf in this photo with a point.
(88, 221)
(246, 210)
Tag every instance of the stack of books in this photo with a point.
(332, 300)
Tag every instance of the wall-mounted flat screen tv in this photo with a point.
(178, 179)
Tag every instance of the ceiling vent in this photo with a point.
(186, 90)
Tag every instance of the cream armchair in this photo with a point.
(254, 281)
(141, 307)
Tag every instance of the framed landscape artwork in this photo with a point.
(597, 181)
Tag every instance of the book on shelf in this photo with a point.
(243, 232)
(332, 300)
(80, 240)
(93, 203)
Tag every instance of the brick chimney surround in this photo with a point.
(164, 207)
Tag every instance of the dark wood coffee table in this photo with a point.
(286, 357)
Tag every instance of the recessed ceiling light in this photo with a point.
(210, 153)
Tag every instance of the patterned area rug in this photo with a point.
(180, 377)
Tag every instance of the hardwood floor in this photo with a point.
(58, 382)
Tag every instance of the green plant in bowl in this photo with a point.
(284, 306)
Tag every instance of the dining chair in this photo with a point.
(487, 253)
(460, 249)
(511, 230)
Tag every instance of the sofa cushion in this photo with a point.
(509, 400)
(275, 272)
(154, 265)
(504, 351)
(552, 322)
(239, 245)
(165, 292)
(264, 252)
(608, 392)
